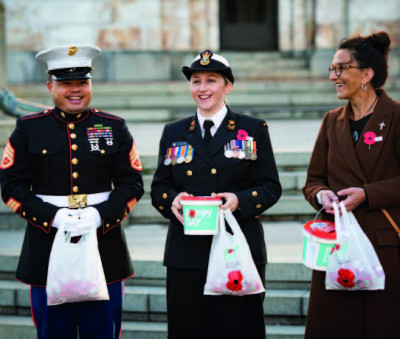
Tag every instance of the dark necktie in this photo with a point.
(207, 133)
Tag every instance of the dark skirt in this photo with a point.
(194, 315)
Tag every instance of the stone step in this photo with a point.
(148, 303)
(16, 327)
(289, 207)
(279, 275)
(285, 161)
(290, 181)
(166, 101)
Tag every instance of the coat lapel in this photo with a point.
(224, 134)
(193, 136)
(346, 143)
(379, 124)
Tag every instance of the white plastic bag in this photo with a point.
(354, 264)
(75, 270)
(231, 269)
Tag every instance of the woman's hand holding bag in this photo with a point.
(231, 269)
(75, 270)
(354, 264)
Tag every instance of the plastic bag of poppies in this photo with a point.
(75, 270)
(231, 269)
(354, 264)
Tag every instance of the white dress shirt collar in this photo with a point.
(217, 119)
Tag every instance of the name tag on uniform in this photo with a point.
(180, 152)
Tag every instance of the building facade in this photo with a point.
(152, 39)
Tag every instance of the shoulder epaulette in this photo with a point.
(36, 114)
(105, 114)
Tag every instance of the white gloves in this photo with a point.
(65, 215)
(78, 221)
(90, 216)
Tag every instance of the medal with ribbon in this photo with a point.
(179, 152)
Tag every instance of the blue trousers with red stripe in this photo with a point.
(92, 319)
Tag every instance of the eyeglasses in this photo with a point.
(339, 68)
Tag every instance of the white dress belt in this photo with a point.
(62, 200)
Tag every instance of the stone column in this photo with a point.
(3, 77)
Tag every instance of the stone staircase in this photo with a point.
(292, 206)
(156, 101)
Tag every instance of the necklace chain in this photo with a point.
(362, 116)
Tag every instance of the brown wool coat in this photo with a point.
(336, 163)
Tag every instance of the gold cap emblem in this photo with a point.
(205, 58)
(72, 50)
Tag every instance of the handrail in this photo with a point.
(16, 107)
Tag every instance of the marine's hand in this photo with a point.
(327, 198)
(65, 215)
(176, 207)
(91, 216)
(355, 197)
(231, 201)
(77, 228)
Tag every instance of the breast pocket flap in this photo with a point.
(50, 147)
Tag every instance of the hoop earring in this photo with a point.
(364, 87)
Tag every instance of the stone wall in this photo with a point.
(116, 25)
(334, 20)
(152, 39)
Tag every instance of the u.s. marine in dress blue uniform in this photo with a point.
(223, 165)
(86, 155)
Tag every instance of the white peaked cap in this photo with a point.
(70, 56)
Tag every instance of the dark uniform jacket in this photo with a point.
(336, 163)
(256, 184)
(54, 153)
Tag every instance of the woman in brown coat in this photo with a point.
(356, 159)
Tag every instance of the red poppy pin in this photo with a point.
(370, 138)
(192, 213)
(242, 134)
(235, 281)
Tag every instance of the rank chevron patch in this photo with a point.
(13, 204)
(131, 204)
(134, 158)
(8, 156)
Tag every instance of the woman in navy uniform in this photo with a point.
(79, 166)
(215, 164)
